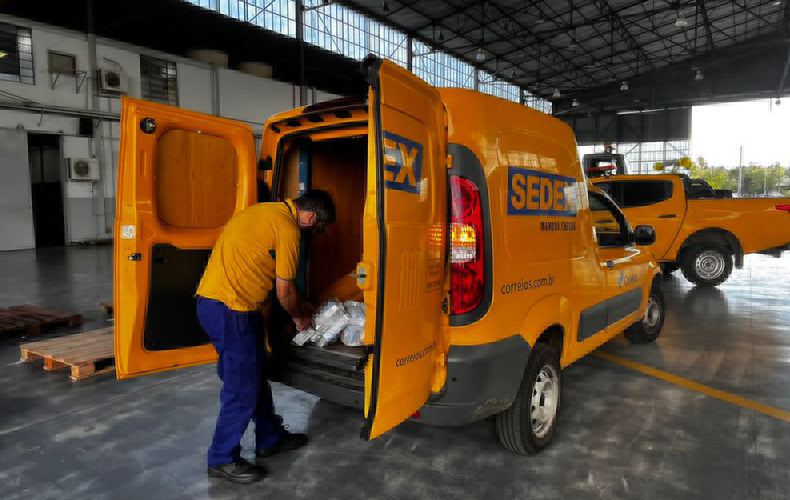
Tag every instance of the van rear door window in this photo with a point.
(642, 193)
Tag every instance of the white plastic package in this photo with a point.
(355, 312)
(333, 321)
(303, 337)
(353, 335)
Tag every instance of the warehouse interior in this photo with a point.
(702, 412)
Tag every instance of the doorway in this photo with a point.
(46, 162)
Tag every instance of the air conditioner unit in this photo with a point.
(112, 81)
(83, 169)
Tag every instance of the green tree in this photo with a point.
(758, 180)
(717, 177)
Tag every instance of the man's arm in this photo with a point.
(293, 304)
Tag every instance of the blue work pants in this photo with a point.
(246, 394)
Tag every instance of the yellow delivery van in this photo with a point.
(486, 261)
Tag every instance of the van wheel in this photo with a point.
(649, 328)
(528, 425)
(708, 263)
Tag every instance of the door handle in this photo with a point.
(609, 264)
(667, 216)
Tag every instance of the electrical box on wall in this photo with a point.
(83, 169)
(112, 81)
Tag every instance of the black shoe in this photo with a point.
(240, 471)
(287, 442)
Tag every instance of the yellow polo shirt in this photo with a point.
(256, 245)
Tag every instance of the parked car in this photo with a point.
(468, 221)
(698, 229)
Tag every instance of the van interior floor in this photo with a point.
(622, 433)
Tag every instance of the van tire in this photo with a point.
(514, 425)
(649, 328)
(708, 263)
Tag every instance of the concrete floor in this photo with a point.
(622, 434)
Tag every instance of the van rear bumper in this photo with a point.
(481, 380)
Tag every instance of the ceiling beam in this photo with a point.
(704, 12)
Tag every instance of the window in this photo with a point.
(158, 80)
(611, 227)
(642, 193)
(16, 54)
(62, 64)
(343, 30)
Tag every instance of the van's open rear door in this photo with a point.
(404, 244)
(181, 175)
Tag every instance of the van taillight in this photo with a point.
(786, 208)
(467, 275)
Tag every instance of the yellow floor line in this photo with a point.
(765, 409)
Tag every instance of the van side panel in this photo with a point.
(540, 230)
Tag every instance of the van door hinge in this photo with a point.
(449, 161)
(446, 305)
(363, 361)
(136, 256)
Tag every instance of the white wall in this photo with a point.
(90, 207)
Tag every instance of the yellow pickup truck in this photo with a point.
(698, 230)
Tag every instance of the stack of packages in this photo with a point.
(334, 319)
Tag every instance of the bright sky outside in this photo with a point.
(718, 130)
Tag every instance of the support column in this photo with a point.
(300, 39)
(102, 224)
(409, 52)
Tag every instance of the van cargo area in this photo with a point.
(338, 166)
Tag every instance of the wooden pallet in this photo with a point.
(107, 307)
(33, 319)
(87, 354)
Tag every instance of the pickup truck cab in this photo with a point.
(604, 164)
(464, 219)
(698, 229)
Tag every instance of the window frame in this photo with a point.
(24, 75)
(145, 80)
(62, 54)
(617, 214)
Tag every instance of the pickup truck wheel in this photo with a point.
(707, 263)
(528, 425)
(649, 328)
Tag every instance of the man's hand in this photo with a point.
(303, 323)
(299, 309)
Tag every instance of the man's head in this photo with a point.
(316, 211)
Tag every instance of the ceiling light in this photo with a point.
(385, 7)
(699, 76)
(624, 86)
(513, 73)
(681, 22)
(575, 103)
(441, 36)
(480, 56)
(776, 4)
(3, 54)
(557, 94)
